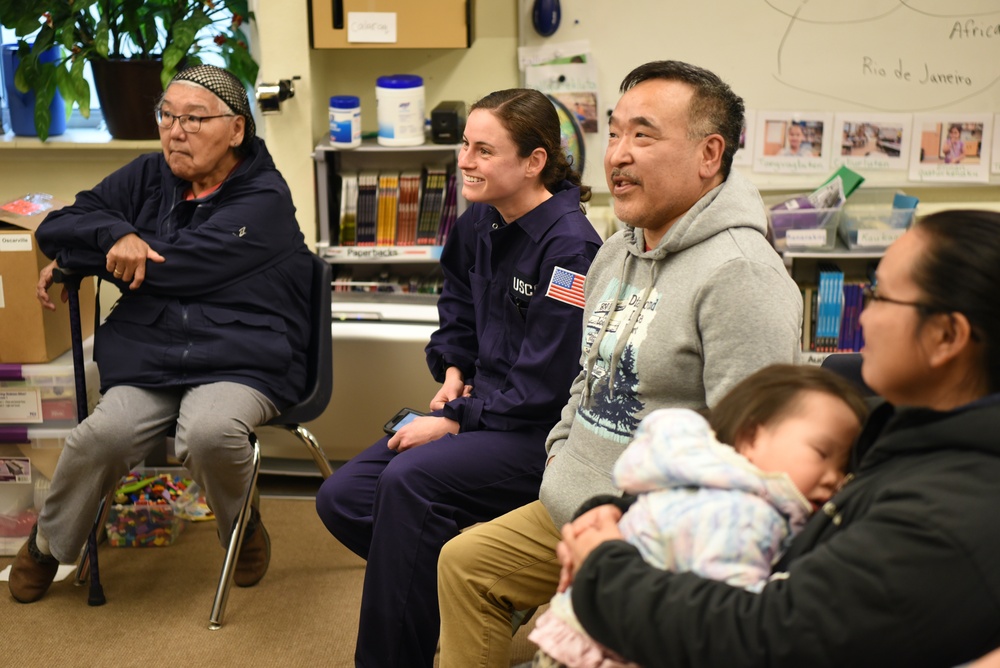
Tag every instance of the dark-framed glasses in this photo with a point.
(872, 295)
(189, 123)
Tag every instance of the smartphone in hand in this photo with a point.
(401, 419)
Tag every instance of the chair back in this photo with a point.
(848, 366)
(319, 357)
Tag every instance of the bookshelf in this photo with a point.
(384, 213)
(805, 269)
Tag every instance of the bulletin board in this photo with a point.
(898, 56)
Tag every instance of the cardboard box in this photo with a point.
(30, 334)
(429, 24)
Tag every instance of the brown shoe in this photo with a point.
(255, 555)
(32, 572)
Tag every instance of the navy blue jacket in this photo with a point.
(230, 303)
(518, 348)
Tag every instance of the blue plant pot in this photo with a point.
(22, 105)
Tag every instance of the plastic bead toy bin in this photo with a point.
(149, 508)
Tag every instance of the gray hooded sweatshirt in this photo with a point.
(673, 327)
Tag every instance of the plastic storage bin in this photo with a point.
(25, 470)
(155, 513)
(44, 395)
(801, 229)
(869, 221)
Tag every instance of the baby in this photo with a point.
(723, 512)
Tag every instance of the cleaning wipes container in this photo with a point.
(399, 99)
(345, 121)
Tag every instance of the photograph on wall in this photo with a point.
(744, 154)
(996, 146)
(792, 142)
(583, 106)
(951, 147)
(872, 141)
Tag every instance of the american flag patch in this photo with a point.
(567, 286)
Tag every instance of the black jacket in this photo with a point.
(230, 303)
(901, 568)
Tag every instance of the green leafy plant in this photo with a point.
(174, 31)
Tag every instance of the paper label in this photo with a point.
(371, 27)
(15, 242)
(806, 237)
(20, 406)
(878, 238)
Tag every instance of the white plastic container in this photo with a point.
(399, 99)
(345, 121)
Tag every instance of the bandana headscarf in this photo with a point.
(227, 88)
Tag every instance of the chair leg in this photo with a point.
(233, 551)
(304, 435)
(83, 568)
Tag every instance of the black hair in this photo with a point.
(960, 272)
(715, 108)
(771, 393)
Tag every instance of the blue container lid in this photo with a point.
(345, 101)
(400, 81)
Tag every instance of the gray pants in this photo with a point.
(213, 424)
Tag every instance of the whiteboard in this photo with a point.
(902, 56)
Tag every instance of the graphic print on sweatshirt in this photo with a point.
(614, 403)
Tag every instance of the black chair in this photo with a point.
(848, 366)
(319, 384)
(319, 389)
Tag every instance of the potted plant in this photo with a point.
(157, 36)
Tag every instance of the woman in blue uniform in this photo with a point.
(506, 352)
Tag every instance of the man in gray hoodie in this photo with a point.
(681, 305)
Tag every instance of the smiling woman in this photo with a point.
(506, 352)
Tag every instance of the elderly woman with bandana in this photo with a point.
(210, 332)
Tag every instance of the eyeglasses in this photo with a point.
(872, 295)
(188, 122)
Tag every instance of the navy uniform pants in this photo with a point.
(398, 510)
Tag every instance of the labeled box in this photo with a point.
(30, 334)
(797, 226)
(44, 395)
(391, 24)
(869, 222)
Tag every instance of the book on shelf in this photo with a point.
(449, 212)
(808, 316)
(367, 222)
(830, 305)
(388, 208)
(435, 179)
(348, 209)
(409, 208)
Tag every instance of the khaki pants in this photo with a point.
(487, 573)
